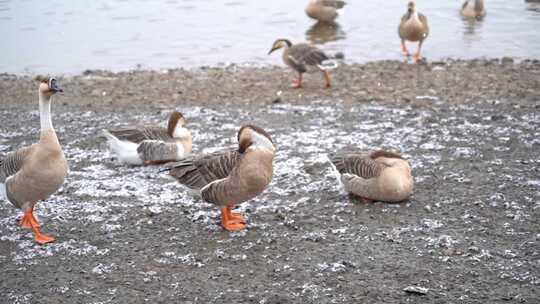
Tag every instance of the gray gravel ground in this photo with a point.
(469, 234)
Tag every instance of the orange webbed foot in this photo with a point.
(232, 221)
(43, 239)
(296, 85)
(40, 237)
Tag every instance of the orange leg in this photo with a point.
(327, 79)
(28, 220)
(41, 238)
(417, 56)
(404, 48)
(236, 216)
(298, 83)
(231, 221)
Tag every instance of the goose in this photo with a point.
(301, 56)
(473, 9)
(413, 27)
(324, 10)
(230, 177)
(374, 175)
(151, 145)
(32, 174)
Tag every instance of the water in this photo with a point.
(66, 37)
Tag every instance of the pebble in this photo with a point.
(416, 290)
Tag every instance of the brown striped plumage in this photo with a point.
(197, 172)
(376, 175)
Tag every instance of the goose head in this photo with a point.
(48, 86)
(253, 137)
(411, 8)
(175, 126)
(280, 43)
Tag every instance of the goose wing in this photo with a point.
(13, 162)
(138, 134)
(197, 172)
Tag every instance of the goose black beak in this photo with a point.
(273, 49)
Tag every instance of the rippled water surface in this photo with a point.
(70, 36)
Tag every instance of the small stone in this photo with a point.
(427, 208)
(416, 290)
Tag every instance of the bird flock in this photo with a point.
(225, 178)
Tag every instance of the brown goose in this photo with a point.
(231, 177)
(375, 176)
(34, 173)
(151, 144)
(473, 9)
(324, 10)
(301, 56)
(413, 27)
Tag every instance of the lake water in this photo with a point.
(67, 37)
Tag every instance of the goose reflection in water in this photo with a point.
(323, 32)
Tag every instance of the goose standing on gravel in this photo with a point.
(301, 56)
(231, 177)
(473, 9)
(375, 176)
(324, 10)
(151, 145)
(32, 174)
(413, 27)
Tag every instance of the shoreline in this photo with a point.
(453, 81)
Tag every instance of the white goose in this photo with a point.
(34, 173)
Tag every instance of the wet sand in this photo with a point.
(469, 234)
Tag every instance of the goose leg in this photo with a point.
(41, 238)
(417, 56)
(230, 221)
(327, 79)
(28, 220)
(298, 83)
(236, 216)
(404, 48)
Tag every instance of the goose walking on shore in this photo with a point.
(302, 56)
(32, 174)
(413, 27)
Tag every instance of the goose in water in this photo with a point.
(413, 27)
(301, 56)
(151, 145)
(231, 177)
(32, 174)
(374, 176)
(473, 9)
(324, 10)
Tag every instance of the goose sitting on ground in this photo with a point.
(231, 177)
(32, 174)
(324, 10)
(301, 56)
(151, 145)
(473, 9)
(375, 176)
(413, 27)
